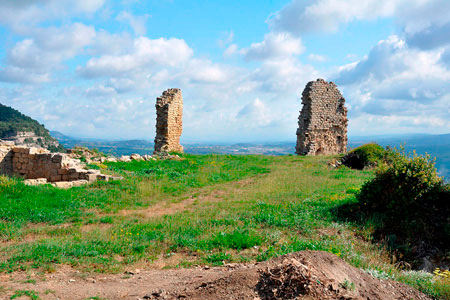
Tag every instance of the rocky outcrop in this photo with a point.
(169, 121)
(323, 120)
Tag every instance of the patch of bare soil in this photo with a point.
(301, 275)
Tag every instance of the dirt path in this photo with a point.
(302, 275)
(206, 195)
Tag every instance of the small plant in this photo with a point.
(378, 274)
(217, 259)
(348, 285)
(30, 294)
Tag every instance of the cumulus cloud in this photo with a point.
(436, 35)
(402, 88)
(32, 60)
(274, 45)
(424, 23)
(300, 16)
(21, 15)
(283, 76)
(145, 54)
(383, 60)
(394, 70)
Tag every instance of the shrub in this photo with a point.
(368, 155)
(409, 201)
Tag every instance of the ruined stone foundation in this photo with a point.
(169, 121)
(39, 166)
(323, 120)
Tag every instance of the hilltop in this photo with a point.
(23, 130)
(168, 222)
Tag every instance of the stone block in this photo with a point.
(63, 171)
(91, 177)
(57, 158)
(62, 184)
(79, 182)
(55, 178)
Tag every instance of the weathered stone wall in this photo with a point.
(169, 121)
(37, 163)
(6, 158)
(323, 120)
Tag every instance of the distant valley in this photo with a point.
(436, 145)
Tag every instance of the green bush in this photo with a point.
(409, 201)
(368, 155)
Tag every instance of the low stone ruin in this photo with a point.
(323, 120)
(169, 122)
(39, 166)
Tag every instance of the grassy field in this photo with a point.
(202, 210)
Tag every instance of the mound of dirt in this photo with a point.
(302, 275)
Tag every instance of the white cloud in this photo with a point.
(32, 60)
(18, 75)
(300, 16)
(424, 23)
(203, 71)
(317, 57)
(231, 50)
(226, 39)
(274, 45)
(23, 15)
(383, 60)
(100, 91)
(255, 114)
(283, 76)
(145, 53)
(397, 88)
(137, 23)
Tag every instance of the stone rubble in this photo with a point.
(169, 121)
(322, 121)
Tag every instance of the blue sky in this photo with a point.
(93, 68)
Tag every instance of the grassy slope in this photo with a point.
(212, 215)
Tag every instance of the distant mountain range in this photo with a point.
(436, 145)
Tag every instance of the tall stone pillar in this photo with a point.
(323, 120)
(169, 121)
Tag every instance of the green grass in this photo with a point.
(30, 294)
(285, 204)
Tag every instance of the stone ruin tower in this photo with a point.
(323, 120)
(169, 121)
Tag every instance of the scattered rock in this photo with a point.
(125, 158)
(135, 156)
